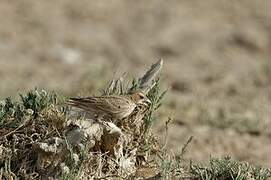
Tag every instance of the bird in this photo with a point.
(113, 107)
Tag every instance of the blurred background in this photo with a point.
(216, 62)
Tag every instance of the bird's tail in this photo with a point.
(78, 102)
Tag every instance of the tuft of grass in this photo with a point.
(226, 168)
(33, 118)
(135, 85)
(171, 165)
(155, 95)
(38, 100)
(30, 104)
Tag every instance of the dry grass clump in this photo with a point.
(25, 126)
(42, 138)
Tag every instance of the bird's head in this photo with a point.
(140, 98)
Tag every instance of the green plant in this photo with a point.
(155, 95)
(30, 104)
(38, 100)
(226, 168)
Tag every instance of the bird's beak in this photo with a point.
(148, 102)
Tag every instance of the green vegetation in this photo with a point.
(13, 113)
(37, 116)
(226, 168)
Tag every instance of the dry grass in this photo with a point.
(40, 139)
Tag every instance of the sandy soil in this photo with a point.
(217, 62)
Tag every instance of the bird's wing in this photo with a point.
(107, 104)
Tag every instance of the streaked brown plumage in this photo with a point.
(114, 107)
